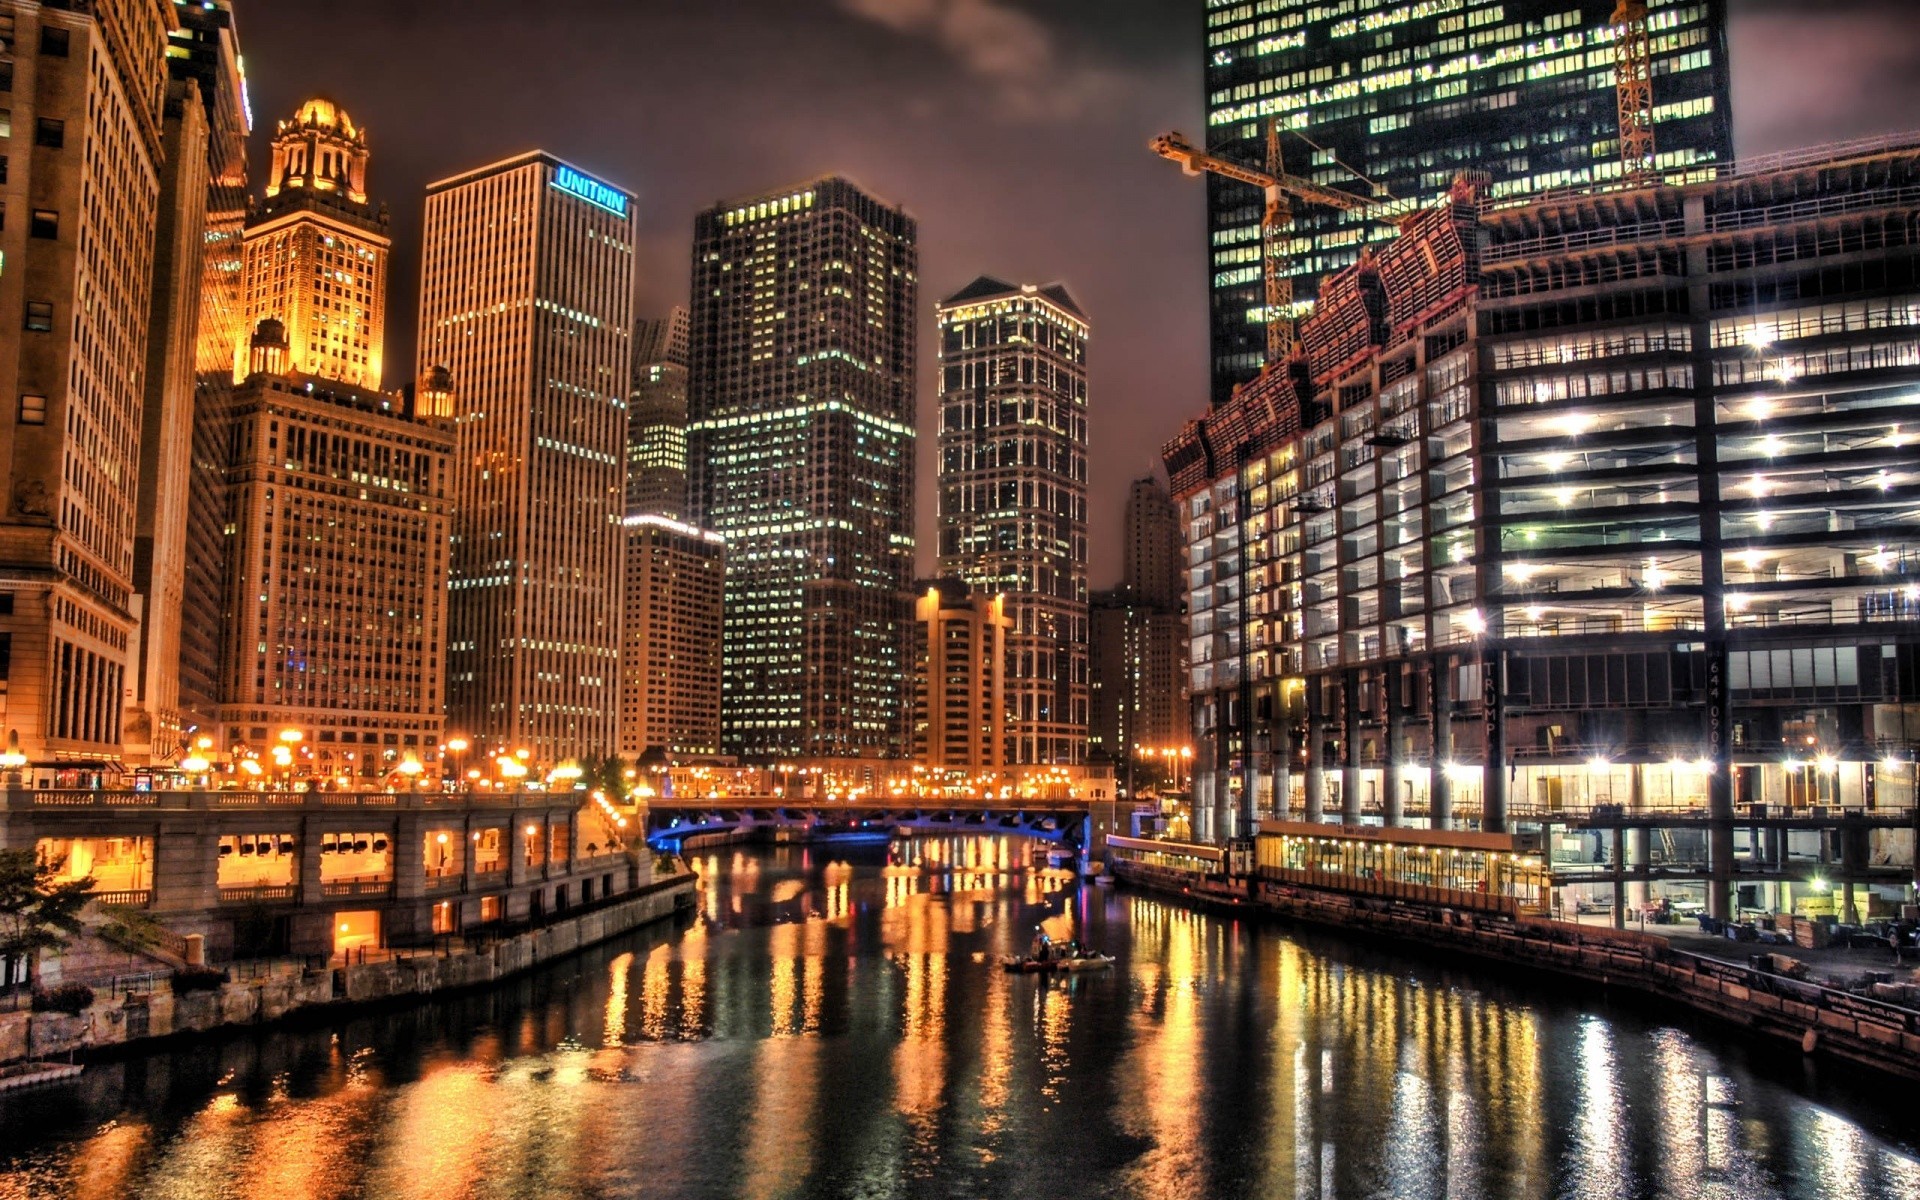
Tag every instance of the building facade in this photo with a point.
(670, 646)
(1616, 506)
(1409, 95)
(152, 721)
(1150, 550)
(335, 623)
(960, 672)
(1137, 660)
(88, 83)
(801, 443)
(1013, 494)
(526, 297)
(204, 51)
(316, 251)
(657, 419)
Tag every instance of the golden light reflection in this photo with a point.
(615, 1030)
(105, 1167)
(779, 1142)
(436, 1136)
(1161, 1073)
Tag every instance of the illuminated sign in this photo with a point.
(591, 190)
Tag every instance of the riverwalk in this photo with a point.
(1728, 984)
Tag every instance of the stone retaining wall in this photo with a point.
(117, 1021)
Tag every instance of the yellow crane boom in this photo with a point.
(1633, 87)
(1278, 187)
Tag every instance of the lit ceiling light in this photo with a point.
(1555, 462)
(1575, 424)
(1737, 602)
(1764, 520)
(1759, 410)
(1521, 572)
(1474, 621)
(1770, 446)
(1534, 612)
(1760, 337)
(1757, 485)
(1564, 496)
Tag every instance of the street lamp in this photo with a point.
(457, 746)
(13, 760)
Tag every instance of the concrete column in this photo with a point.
(1439, 787)
(1316, 798)
(1720, 844)
(1619, 879)
(1283, 772)
(1639, 856)
(409, 851)
(186, 866)
(1350, 749)
(312, 892)
(1493, 795)
(1852, 839)
(1393, 779)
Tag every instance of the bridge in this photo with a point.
(673, 821)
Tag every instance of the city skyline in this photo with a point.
(1079, 92)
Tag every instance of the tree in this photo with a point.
(607, 775)
(39, 911)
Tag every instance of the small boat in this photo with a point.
(1087, 962)
(1044, 962)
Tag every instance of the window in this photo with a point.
(46, 223)
(6, 122)
(40, 316)
(33, 409)
(50, 131)
(54, 42)
(6, 75)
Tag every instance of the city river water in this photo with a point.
(834, 1023)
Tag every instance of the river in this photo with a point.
(833, 1023)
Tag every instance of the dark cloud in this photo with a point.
(1014, 130)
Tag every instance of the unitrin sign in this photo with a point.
(598, 194)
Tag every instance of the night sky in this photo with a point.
(1014, 130)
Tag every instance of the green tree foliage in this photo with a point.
(39, 911)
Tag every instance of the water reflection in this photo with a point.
(833, 1022)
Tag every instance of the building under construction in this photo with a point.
(1600, 504)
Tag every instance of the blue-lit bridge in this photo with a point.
(675, 823)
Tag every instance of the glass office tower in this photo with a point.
(1408, 93)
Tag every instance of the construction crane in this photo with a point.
(1280, 189)
(1633, 87)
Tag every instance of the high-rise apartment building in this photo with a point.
(152, 721)
(87, 86)
(800, 409)
(1151, 571)
(670, 648)
(1013, 494)
(1408, 95)
(657, 419)
(1609, 504)
(316, 250)
(526, 296)
(960, 678)
(202, 50)
(1137, 662)
(335, 622)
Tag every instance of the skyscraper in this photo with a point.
(335, 621)
(202, 49)
(1150, 550)
(152, 722)
(801, 440)
(1013, 494)
(317, 250)
(1408, 95)
(87, 84)
(960, 699)
(526, 296)
(657, 419)
(670, 648)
